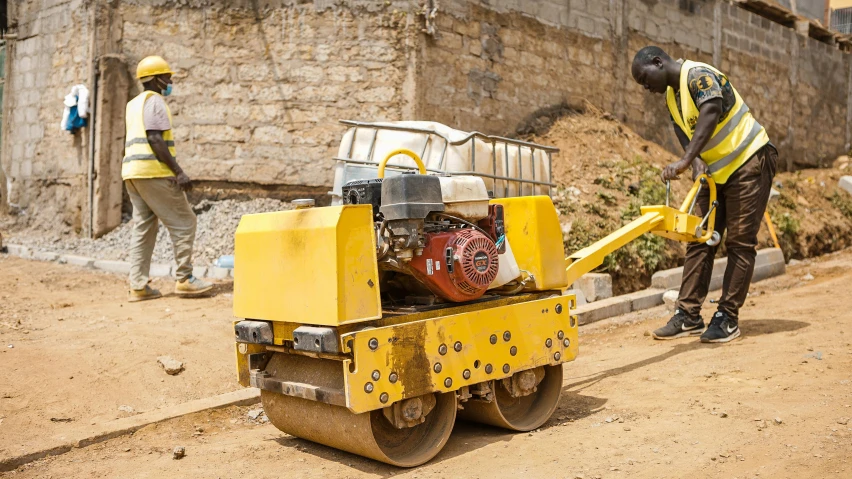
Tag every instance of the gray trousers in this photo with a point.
(159, 199)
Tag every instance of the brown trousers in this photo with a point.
(742, 202)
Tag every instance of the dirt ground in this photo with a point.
(773, 404)
(74, 351)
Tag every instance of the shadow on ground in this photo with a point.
(572, 406)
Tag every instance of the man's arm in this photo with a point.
(161, 150)
(708, 117)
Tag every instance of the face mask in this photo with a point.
(167, 91)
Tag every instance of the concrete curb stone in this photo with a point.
(45, 256)
(117, 267)
(216, 272)
(769, 263)
(845, 184)
(82, 261)
(159, 270)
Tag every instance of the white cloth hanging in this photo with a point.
(78, 97)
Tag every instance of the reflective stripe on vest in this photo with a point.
(139, 159)
(734, 140)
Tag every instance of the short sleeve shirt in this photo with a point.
(705, 85)
(155, 115)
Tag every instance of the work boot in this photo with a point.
(721, 330)
(144, 294)
(681, 325)
(192, 286)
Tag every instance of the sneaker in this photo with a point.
(680, 326)
(144, 294)
(722, 329)
(192, 286)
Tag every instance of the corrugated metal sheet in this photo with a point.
(841, 20)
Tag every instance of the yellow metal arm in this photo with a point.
(663, 220)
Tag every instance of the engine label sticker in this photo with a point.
(429, 269)
(437, 265)
(480, 261)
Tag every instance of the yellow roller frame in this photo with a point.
(662, 220)
(402, 151)
(446, 353)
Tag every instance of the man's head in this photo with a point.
(650, 69)
(155, 74)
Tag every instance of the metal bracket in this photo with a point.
(262, 380)
(254, 332)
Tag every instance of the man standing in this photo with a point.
(721, 138)
(156, 184)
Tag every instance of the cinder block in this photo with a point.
(117, 267)
(216, 272)
(845, 184)
(578, 295)
(645, 299)
(603, 309)
(199, 271)
(159, 270)
(769, 261)
(595, 286)
(82, 261)
(18, 250)
(45, 256)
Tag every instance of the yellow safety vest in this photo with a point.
(139, 159)
(733, 142)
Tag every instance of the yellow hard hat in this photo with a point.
(153, 65)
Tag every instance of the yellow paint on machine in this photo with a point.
(413, 350)
(533, 230)
(310, 266)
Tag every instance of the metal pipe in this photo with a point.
(455, 173)
(700, 226)
(695, 198)
(506, 171)
(91, 127)
(668, 191)
(462, 141)
(372, 145)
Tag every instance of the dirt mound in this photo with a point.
(605, 172)
(812, 215)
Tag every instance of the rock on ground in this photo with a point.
(171, 366)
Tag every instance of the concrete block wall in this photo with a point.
(258, 94)
(46, 168)
(529, 55)
(260, 85)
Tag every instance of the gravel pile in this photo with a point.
(217, 223)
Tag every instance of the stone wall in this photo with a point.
(44, 165)
(508, 58)
(260, 84)
(258, 92)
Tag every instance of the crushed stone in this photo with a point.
(217, 223)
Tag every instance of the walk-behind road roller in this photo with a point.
(371, 326)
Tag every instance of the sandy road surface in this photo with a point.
(630, 406)
(80, 351)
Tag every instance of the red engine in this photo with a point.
(457, 265)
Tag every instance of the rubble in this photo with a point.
(179, 452)
(170, 365)
(217, 222)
